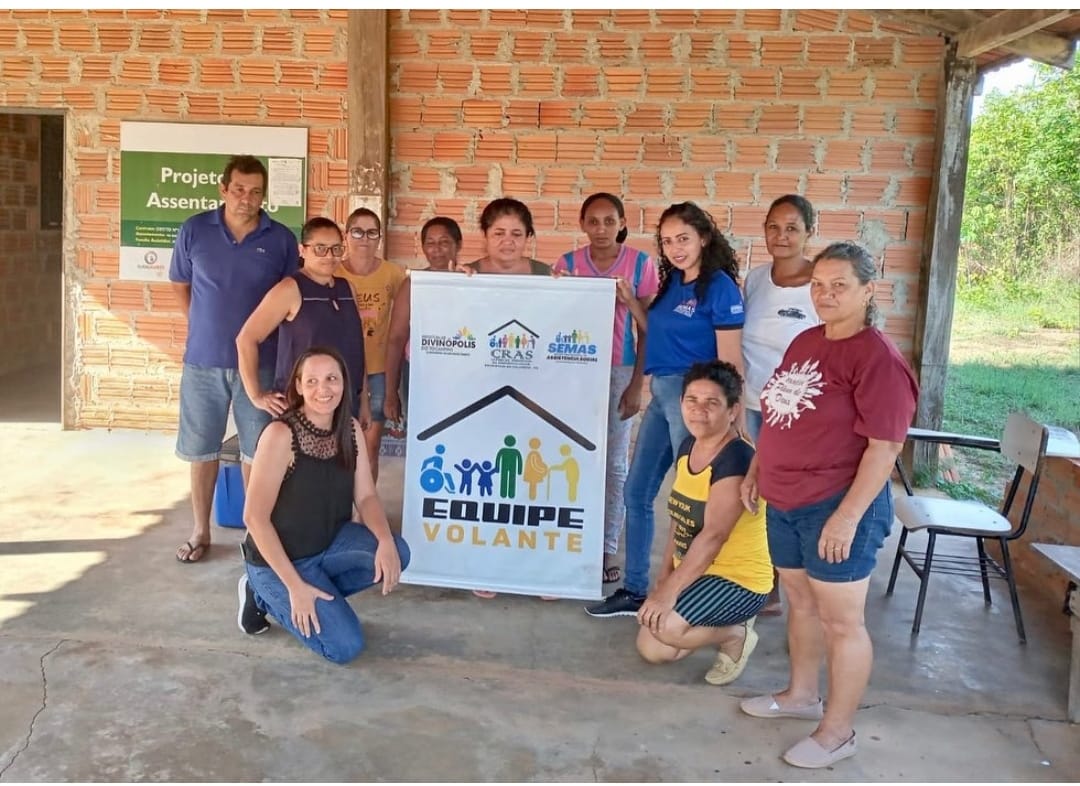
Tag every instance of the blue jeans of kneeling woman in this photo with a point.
(659, 436)
(345, 568)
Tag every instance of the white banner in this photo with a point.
(507, 432)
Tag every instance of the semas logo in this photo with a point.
(572, 346)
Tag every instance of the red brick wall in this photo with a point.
(727, 108)
(267, 67)
(30, 265)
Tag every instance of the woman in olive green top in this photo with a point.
(507, 225)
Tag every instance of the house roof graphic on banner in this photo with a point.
(514, 322)
(506, 390)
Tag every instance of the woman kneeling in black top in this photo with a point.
(304, 555)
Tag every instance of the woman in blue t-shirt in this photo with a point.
(697, 316)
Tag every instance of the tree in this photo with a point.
(1022, 202)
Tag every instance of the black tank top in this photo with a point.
(316, 496)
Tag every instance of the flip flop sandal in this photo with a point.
(612, 574)
(192, 549)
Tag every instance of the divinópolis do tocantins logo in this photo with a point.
(462, 342)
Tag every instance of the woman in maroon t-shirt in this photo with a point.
(835, 415)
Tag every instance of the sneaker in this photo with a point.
(250, 618)
(620, 603)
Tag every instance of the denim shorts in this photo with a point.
(794, 536)
(205, 396)
(376, 383)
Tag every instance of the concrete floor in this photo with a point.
(118, 663)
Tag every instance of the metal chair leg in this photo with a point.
(925, 581)
(982, 569)
(1011, 578)
(896, 562)
(903, 477)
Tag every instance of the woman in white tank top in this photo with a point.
(778, 308)
(776, 298)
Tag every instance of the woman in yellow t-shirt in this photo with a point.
(376, 283)
(716, 574)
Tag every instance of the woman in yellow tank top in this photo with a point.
(716, 573)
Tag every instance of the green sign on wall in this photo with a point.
(171, 171)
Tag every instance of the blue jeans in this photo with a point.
(753, 424)
(345, 568)
(618, 459)
(661, 433)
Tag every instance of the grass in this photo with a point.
(1010, 353)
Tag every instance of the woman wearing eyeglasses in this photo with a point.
(312, 307)
(376, 283)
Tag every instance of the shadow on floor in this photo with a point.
(118, 663)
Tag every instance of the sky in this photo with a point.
(1006, 80)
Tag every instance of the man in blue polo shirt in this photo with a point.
(223, 263)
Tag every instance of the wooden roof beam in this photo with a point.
(1004, 28)
(1044, 48)
(1041, 46)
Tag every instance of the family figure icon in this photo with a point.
(508, 464)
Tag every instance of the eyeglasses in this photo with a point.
(322, 250)
(359, 234)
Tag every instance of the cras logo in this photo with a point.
(504, 491)
(512, 345)
(572, 346)
(463, 342)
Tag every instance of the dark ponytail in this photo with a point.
(616, 203)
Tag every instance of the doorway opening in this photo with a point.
(31, 267)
